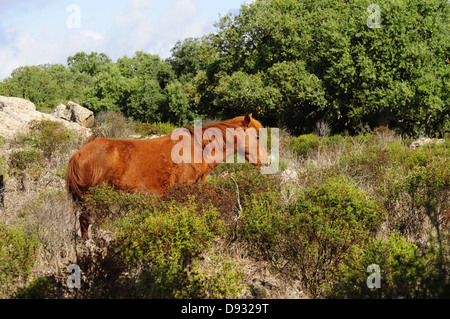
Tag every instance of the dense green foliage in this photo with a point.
(17, 255)
(302, 61)
(314, 232)
(167, 239)
(291, 63)
(403, 269)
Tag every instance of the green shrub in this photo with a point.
(248, 180)
(39, 288)
(111, 124)
(324, 222)
(220, 278)
(333, 141)
(145, 129)
(105, 202)
(164, 128)
(428, 189)
(304, 144)
(405, 271)
(20, 160)
(159, 128)
(50, 137)
(166, 241)
(224, 200)
(3, 166)
(263, 221)
(17, 256)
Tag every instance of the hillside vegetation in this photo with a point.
(351, 192)
(338, 204)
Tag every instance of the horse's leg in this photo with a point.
(84, 224)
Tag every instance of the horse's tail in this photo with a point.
(78, 181)
(73, 179)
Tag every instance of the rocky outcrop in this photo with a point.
(75, 113)
(17, 113)
(425, 141)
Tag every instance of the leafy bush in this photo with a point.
(304, 143)
(232, 177)
(221, 278)
(164, 128)
(314, 233)
(167, 238)
(429, 192)
(405, 271)
(51, 137)
(21, 159)
(17, 255)
(324, 222)
(111, 124)
(157, 128)
(39, 288)
(167, 241)
(264, 222)
(223, 200)
(104, 202)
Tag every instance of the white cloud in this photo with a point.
(137, 12)
(197, 29)
(136, 31)
(49, 47)
(145, 25)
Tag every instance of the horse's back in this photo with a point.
(126, 164)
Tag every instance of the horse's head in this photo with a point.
(255, 153)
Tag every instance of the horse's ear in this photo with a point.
(247, 119)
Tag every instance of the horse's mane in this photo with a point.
(237, 122)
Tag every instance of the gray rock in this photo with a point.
(61, 112)
(75, 113)
(260, 289)
(425, 141)
(16, 114)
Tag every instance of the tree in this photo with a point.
(91, 64)
(138, 86)
(188, 58)
(45, 85)
(179, 107)
(327, 63)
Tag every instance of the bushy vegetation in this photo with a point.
(17, 256)
(405, 271)
(116, 125)
(354, 201)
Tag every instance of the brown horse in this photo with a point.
(157, 164)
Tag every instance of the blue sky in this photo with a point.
(48, 31)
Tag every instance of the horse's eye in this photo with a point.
(257, 137)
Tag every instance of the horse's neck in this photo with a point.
(226, 150)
